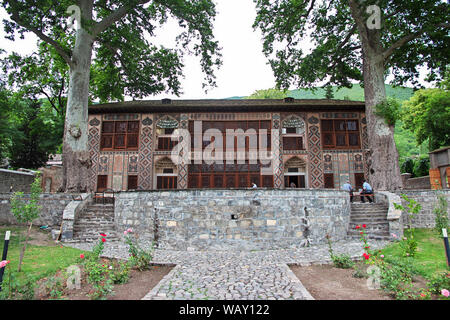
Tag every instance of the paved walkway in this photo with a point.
(235, 275)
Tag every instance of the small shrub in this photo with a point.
(120, 272)
(360, 270)
(12, 289)
(441, 215)
(439, 282)
(140, 258)
(97, 272)
(54, 287)
(339, 261)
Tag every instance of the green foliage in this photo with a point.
(441, 215)
(438, 282)
(408, 244)
(336, 56)
(339, 261)
(140, 258)
(120, 272)
(54, 287)
(98, 274)
(13, 289)
(389, 110)
(268, 94)
(427, 116)
(124, 60)
(24, 210)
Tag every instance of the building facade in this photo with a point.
(184, 144)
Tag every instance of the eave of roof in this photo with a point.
(226, 105)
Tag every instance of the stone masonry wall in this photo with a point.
(265, 219)
(19, 181)
(53, 205)
(428, 200)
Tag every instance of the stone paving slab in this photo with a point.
(235, 275)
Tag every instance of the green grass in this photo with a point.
(39, 261)
(430, 257)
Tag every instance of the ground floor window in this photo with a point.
(166, 182)
(102, 183)
(294, 181)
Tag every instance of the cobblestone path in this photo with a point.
(235, 275)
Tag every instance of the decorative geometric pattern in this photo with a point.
(315, 154)
(182, 165)
(147, 122)
(94, 150)
(103, 165)
(94, 122)
(145, 159)
(327, 164)
(133, 164)
(277, 152)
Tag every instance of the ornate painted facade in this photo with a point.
(310, 144)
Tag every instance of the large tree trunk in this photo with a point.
(76, 158)
(382, 156)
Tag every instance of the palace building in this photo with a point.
(187, 144)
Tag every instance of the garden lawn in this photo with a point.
(430, 257)
(39, 260)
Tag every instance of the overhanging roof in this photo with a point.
(227, 105)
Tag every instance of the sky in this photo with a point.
(244, 69)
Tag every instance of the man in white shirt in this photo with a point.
(367, 189)
(348, 187)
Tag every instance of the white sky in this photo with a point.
(244, 68)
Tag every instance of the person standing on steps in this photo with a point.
(348, 187)
(367, 189)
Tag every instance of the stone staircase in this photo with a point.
(93, 220)
(374, 216)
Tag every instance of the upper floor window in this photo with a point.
(119, 135)
(340, 134)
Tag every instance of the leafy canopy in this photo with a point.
(413, 34)
(124, 60)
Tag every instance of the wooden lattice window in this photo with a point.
(340, 134)
(329, 180)
(119, 135)
(132, 182)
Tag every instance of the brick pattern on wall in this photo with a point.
(315, 152)
(94, 149)
(145, 153)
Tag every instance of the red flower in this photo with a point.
(364, 226)
(357, 227)
(103, 235)
(82, 256)
(367, 247)
(361, 232)
(366, 256)
(103, 240)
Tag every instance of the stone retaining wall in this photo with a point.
(53, 205)
(428, 200)
(18, 180)
(239, 219)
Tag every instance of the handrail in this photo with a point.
(106, 191)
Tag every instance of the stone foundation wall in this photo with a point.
(53, 205)
(239, 219)
(428, 199)
(19, 181)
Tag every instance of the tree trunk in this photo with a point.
(382, 156)
(22, 252)
(76, 158)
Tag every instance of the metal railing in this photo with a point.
(101, 195)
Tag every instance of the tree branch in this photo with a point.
(113, 17)
(358, 17)
(62, 52)
(401, 42)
